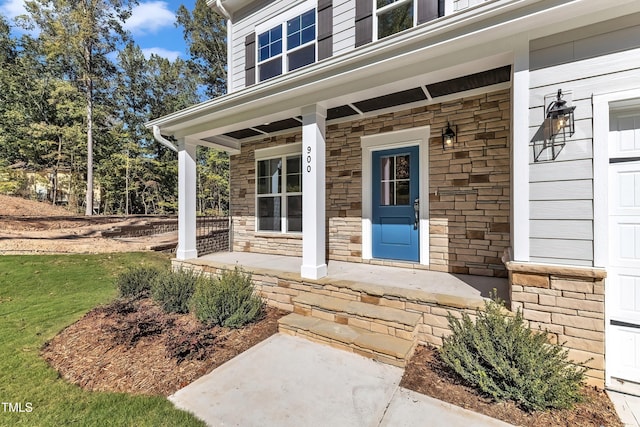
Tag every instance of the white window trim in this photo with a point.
(385, 141)
(281, 20)
(388, 7)
(279, 152)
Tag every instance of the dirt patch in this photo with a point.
(27, 227)
(134, 347)
(427, 374)
(17, 206)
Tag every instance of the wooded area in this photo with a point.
(75, 92)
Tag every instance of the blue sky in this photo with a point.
(151, 25)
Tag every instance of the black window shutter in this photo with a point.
(325, 29)
(428, 10)
(364, 22)
(250, 59)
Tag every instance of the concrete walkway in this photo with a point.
(289, 381)
(627, 407)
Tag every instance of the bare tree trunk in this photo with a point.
(89, 96)
(55, 172)
(126, 185)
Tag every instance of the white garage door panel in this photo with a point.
(625, 189)
(626, 242)
(625, 304)
(625, 361)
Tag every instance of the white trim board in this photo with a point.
(384, 141)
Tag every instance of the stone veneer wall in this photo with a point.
(469, 186)
(568, 302)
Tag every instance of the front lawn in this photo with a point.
(39, 296)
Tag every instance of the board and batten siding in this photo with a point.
(588, 61)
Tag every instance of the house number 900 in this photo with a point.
(309, 158)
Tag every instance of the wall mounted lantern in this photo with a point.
(557, 127)
(559, 118)
(448, 137)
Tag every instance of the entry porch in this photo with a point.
(378, 311)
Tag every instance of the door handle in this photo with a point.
(416, 213)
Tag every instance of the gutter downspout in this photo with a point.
(222, 9)
(162, 140)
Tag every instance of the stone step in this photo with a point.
(384, 348)
(375, 318)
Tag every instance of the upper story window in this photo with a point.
(393, 16)
(287, 46)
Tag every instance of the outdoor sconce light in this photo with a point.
(559, 118)
(557, 127)
(448, 137)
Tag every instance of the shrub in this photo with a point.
(505, 359)
(174, 289)
(228, 300)
(136, 282)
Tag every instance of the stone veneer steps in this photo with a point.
(382, 333)
(384, 348)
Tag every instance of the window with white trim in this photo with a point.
(393, 16)
(287, 46)
(279, 193)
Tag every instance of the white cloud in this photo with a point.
(12, 8)
(171, 55)
(148, 18)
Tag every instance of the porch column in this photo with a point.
(314, 264)
(186, 200)
(520, 152)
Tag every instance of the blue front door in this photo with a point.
(395, 189)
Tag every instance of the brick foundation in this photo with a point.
(568, 302)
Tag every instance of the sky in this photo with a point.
(151, 25)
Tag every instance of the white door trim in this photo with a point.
(383, 141)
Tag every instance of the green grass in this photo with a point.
(41, 295)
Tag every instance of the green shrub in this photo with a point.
(174, 289)
(136, 281)
(502, 357)
(228, 300)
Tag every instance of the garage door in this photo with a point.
(623, 281)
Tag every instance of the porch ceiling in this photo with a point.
(432, 92)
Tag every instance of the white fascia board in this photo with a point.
(437, 46)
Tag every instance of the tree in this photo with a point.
(205, 33)
(78, 34)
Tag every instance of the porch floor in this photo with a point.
(431, 282)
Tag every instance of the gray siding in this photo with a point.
(589, 61)
(344, 33)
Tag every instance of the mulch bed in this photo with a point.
(427, 374)
(134, 347)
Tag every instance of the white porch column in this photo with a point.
(314, 264)
(186, 200)
(520, 152)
